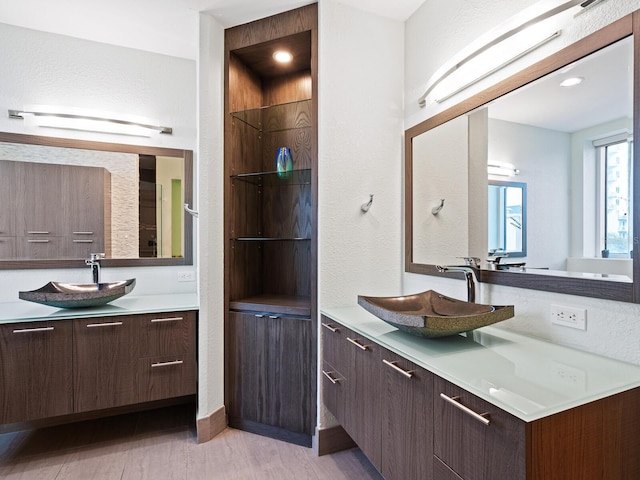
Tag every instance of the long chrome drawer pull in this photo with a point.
(83, 241)
(168, 319)
(481, 417)
(274, 317)
(37, 241)
(358, 344)
(406, 373)
(331, 379)
(329, 327)
(37, 232)
(83, 233)
(28, 330)
(106, 324)
(166, 364)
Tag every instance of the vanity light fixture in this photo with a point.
(571, 81)
(501, 169)
(515, 30)
(85, 120)
(282, 56)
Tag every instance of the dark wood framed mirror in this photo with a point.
(474, 111)
(124, 200)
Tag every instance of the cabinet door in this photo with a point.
(471, 448)
(39, 198)
(35, 370)
(270, 379)
(8, 199)
(105, 362)
(365, 394)
(407, 420)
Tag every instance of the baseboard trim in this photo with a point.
(332, 439)
(211, 425)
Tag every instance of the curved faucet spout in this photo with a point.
(469, 275)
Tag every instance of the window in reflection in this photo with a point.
(507, 219)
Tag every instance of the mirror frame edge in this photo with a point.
(622, 28)
(187, 155)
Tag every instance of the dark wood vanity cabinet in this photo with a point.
(421, 426)
(83, 365)
(35, 370)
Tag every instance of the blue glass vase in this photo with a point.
(284, 162)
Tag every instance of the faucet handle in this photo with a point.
(471, 261)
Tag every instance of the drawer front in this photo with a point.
(442, 472)
(39, 247)
(334, 349)
(166, 333)
(165, 377)
(471, 447)
(334, 391)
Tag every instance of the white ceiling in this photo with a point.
(162, 26)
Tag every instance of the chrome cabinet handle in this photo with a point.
(83, 233)
(82, 241)
(167, 319)
(481, 417)
(335, 381)
(259, 315)
(29, 330)
(329, 327)
(358, 344)
(106, 324)
(166, 364)
(274, 317)
(37, 232)
(37, 241)
(406, 373)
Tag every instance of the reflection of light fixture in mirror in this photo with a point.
(523, 39)
(501, 169)
(86, 120)
(282, 56)
(571, 81)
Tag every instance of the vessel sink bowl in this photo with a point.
(430, 314)
(78, 295)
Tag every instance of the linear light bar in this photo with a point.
(52, 118)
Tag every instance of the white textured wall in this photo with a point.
(360, 145)
(210, 204)
(45, 68)
(437, 31)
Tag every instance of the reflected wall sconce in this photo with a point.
(490, 53)
(501, 169)
(85, 120)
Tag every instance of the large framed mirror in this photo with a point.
(61, 199)
(571, 146)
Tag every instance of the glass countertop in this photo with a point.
(527, 377)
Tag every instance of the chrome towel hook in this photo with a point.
(436, 210)
(366, 206)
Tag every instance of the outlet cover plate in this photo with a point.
(571, 317)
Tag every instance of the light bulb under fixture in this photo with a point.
(282, 56)
(571, 81)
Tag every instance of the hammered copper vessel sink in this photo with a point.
(430, 314)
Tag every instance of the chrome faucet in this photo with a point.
(470, 276)
(94, 263)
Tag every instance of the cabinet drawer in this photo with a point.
(166, 333)
(333, 344)
(334, 391)
(475, 449)
(39, 247)
(442, 472)
(7, 248)
(165, 377)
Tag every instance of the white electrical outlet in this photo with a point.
(186, 276)
(569, 317)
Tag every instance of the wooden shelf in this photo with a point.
(273, 303)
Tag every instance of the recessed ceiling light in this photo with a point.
(571, 81)
(282, 56)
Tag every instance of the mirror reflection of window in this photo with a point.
(507, 219)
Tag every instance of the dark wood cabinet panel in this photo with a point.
(407, 420)
(35, 370)
(105, 362)
(166, 333)
(165, 377)
(472, 449)
(8, 197)
(270, 372)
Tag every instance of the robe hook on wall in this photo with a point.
(436, 210)
(193, 213)
(366, 206)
